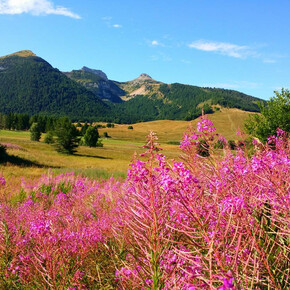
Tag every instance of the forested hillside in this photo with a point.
(31, 85)
(180, 102)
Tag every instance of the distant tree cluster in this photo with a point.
(61, 132)
(21, 122)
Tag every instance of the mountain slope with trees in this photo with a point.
(29, 84)
(161, 101)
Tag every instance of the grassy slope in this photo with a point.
(115, 156)
(227, 121)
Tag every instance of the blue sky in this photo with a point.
(242, 45)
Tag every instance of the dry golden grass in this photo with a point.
(115, 156)
(227, 121)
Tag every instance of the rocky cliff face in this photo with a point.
(97, 82)
(96, 72)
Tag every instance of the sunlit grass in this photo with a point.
(113, 159)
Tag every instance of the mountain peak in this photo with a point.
(144, 77)
(21, 53)
(96, 72)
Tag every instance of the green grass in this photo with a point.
(91, 173)
(113, 159)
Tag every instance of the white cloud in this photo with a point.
(108, 21)
(155, 42)
(34, 7)
(224, 48)
(117, 25)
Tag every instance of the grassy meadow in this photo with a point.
(32, 159)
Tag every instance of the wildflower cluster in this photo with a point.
(56, 234)
(217, 220)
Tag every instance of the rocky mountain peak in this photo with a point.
(142, 79)
(144, 76)
(96, 72)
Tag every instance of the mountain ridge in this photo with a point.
(29, 84)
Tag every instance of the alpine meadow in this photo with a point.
(144, 145)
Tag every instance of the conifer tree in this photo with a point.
(67, 136)
(91, 136)
(35, 132)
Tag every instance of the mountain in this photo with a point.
(97, 82)
(147, 99)
(29, 84)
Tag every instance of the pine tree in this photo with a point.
(67, 136)
(35, 132)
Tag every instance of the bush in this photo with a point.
(130, 127)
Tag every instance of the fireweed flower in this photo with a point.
(2, 180)
(169, 225)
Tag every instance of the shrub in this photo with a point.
(130, 127)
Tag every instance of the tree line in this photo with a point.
(60, 132)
